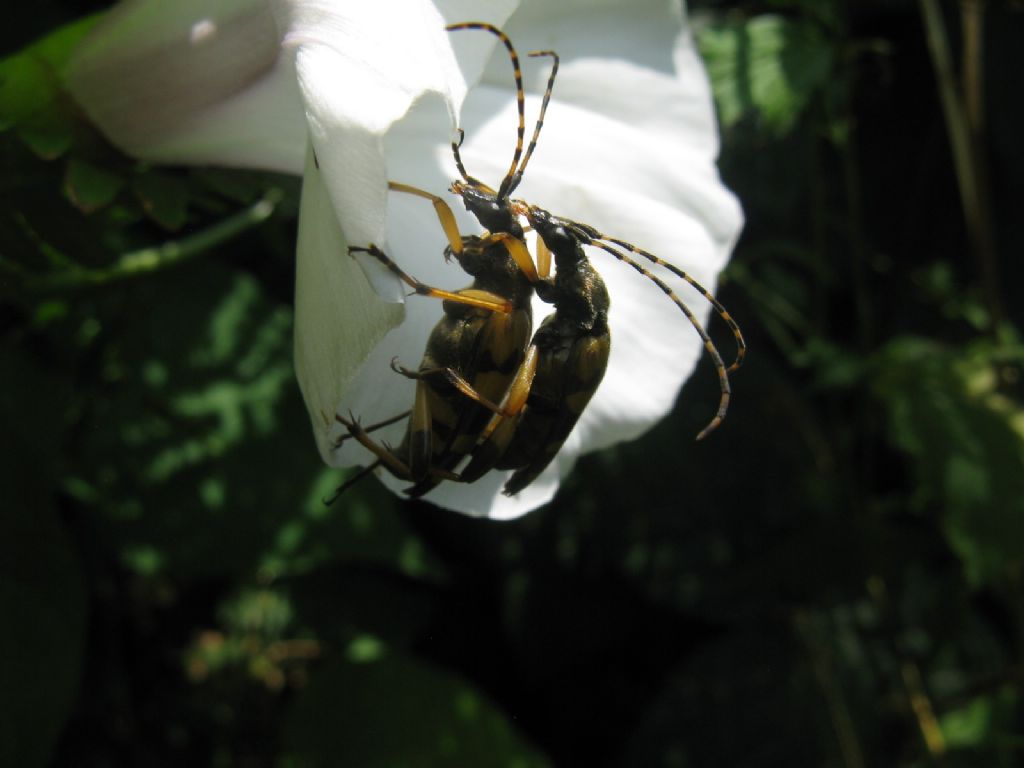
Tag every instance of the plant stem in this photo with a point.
(832, 691)
(152, 259)
(972, 15)
(963, 114)
(923, 711)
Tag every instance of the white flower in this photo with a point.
(376, 89)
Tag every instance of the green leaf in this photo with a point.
(32, 99)
(164, 197)
(90, 187)
(768, 66)
(966, 443)
(395, 712)
(985, 728)
(196, 457)
(184, 436)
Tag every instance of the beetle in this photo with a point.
(566, 359)
(476, 348)
(569, 353)
(564, 365)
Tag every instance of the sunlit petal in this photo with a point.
(338, 317)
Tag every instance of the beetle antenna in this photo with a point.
(540, 122)
(517, 73)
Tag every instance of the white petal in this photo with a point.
(358, 76)
(624, 46)
(361, 67)
(338, 317)
(192, 81)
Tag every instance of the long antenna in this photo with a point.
(741, 344)
(514, 182)
(520, 101)
(590, 236)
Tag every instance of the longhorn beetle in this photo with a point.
(476, 348)
(567, 357)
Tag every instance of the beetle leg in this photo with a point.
(543, 258)
(499, 432)
(454, 379)
(393, 464)
(481, 299)
(373, 427)
(519, 252)
(444, 213)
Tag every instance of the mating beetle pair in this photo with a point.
(485, 389)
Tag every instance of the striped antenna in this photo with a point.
(520, 103)
(540, 121)
(617, 248)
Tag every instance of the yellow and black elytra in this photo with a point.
(564, 364)
(584, 234)
(471, 357)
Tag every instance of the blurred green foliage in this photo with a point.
(767, 65)
(835, 578)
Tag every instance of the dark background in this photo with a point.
(834, 578)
